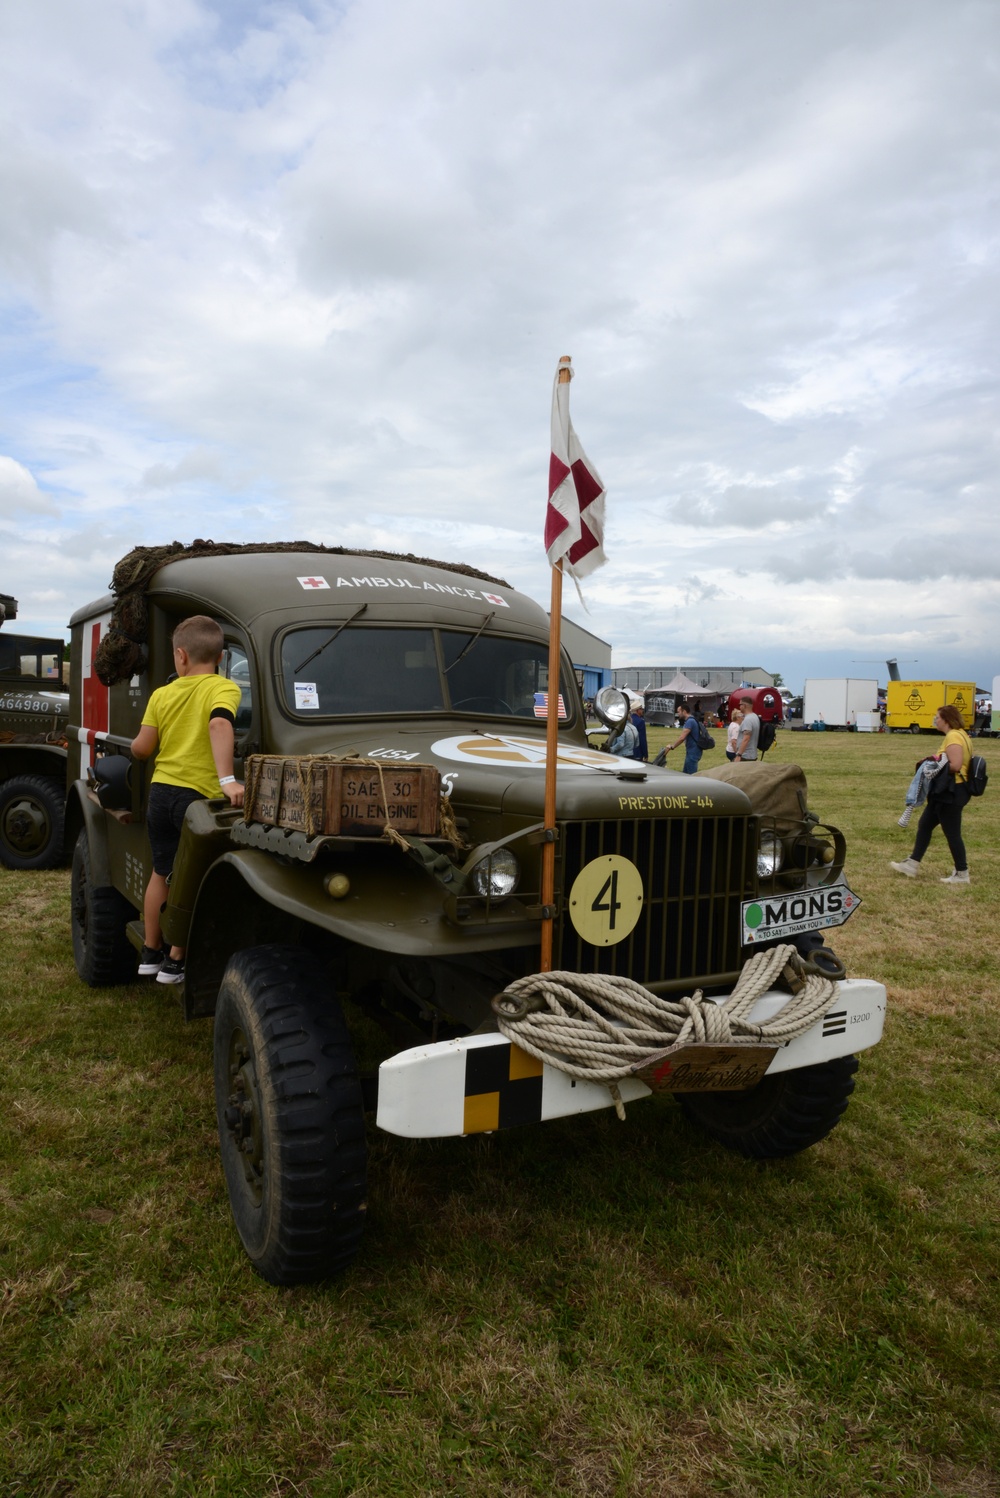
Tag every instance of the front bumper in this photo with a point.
(480, 1083)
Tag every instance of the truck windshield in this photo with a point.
(495, 675)
(21, 655)
(369, 670)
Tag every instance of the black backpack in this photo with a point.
(705, 739)
(977, 777)
(765, 738)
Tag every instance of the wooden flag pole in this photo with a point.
(552, 744)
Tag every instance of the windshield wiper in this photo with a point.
(330, 639)
(475, 637)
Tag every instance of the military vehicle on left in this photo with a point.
(34, 711)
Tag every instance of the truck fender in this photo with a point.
(249, 897)
(32, 759)
(83, 814)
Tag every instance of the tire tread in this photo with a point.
(315, 1222)
(102, 952)
(782, 1115)
(52, 793)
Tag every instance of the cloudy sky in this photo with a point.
(305, 269)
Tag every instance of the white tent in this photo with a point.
(683, 686)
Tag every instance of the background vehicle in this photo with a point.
(837, 701)
(404, 664)
(34, 710)
(767, 703)
(912, 705)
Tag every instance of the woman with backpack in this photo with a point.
(946, 799)
(690, 737)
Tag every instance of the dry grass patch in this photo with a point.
(584, 1308)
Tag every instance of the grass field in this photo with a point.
(583, 1308)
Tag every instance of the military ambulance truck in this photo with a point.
(428, 676)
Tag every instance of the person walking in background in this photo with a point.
(947, 797)
(690, 737)
(749, 731)
(638, 721)
(733, 734)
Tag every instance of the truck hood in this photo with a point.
(504, 771)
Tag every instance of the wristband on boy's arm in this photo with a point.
(227, 779)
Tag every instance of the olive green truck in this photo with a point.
(395, 692)
(34, 711)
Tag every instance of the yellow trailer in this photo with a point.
(911, 705)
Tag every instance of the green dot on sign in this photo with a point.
(754, 917)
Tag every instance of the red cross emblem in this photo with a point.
(314, 582)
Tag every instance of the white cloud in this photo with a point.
(19, 493)
(307, 269)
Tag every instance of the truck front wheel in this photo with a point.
(99, 916)
(32, 822)
(290, 1113)
(781, 1115)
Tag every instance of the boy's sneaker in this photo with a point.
(957, 876)
(172, 970)
(150, 961)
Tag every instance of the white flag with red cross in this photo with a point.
(574, 519)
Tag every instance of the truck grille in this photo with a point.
(695, 872)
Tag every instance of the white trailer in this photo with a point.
(836, 701)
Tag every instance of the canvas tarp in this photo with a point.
(777, 791)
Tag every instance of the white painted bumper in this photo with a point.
(482, 1082)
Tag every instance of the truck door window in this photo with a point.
(361, 671)
(236, 666)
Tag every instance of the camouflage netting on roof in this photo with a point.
(121, 653)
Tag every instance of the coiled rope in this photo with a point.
(555, 1018)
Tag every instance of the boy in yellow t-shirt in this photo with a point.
(190, 726)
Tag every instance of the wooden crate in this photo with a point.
(347, 798)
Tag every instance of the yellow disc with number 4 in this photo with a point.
(606, 900)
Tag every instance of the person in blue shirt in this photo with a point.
(638, 721)
(690, 738)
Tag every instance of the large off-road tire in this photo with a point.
(32, 822)
(291, 1118)
(99, 916)
(781, 1115)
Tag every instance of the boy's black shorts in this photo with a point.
(164, 820)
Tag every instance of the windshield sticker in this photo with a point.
(542, 705)
(790, 915)
(313, 582)
(512, 749)
(306, 696)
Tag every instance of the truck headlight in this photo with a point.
(770, 855)
(496, 875)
